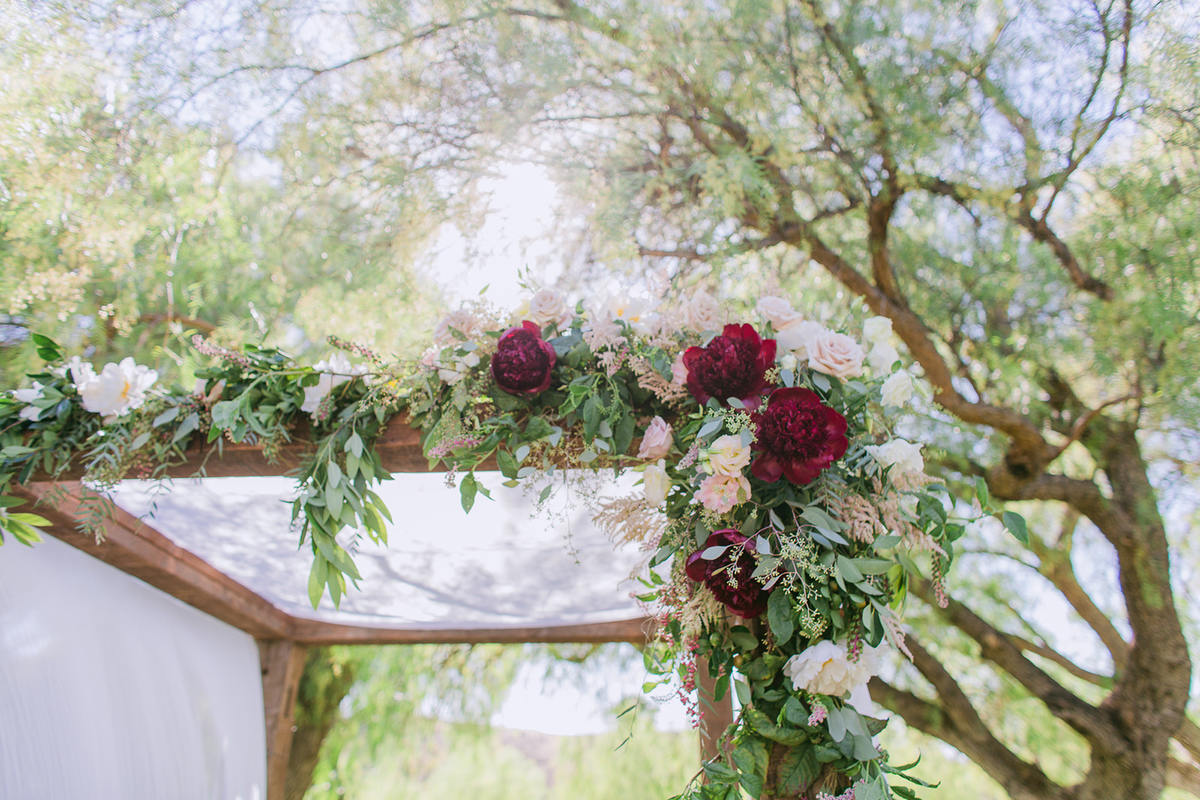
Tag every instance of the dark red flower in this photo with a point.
(523, 360)
(733, 364)
(728, 579)
(798, 437)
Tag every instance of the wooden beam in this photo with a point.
(718, 714)
(319, 632)
(282, 665)
(141, 551)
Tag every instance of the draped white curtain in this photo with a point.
(110, 688)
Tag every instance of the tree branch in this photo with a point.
(955, 721)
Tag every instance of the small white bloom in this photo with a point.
(899, 453)
(826, 668)
(80, 370)
(30, 413)
(898, 389)
(877, 330)
(702, 312)
(778, 312)
(636, 312)
(797, 336)
(334, 372)
(655, 483)
(117, 390)
(882, 357)
(788, 361)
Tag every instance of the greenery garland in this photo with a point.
(783, 515)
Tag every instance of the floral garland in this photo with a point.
(781, 514)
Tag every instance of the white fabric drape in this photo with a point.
(110, 688)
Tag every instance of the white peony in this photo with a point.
(117, 390)
(655, 483)
(549, 305)
(29, 413)
(877, 330)
(702, 312)
(899, 453)
(81, 371)
(882, 357)
(458, 368)
(636, 312)
(835, 354)
(898, 389)
(334, 372)
(797, 336)
(826, 668)
(778, 312)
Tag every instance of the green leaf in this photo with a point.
(797, 771)
(847, 570)
(717, 772)
(872, 566)
(764, 727)
(316, 579)
(779, 615)
(886, 542)
(1016, 526)
(836, 724)
(165, 417)
(189, 424)
(41, 340)
(141, 439)
(794, 710)
(354, 445)
(750, 757)
(819, 517)
(335, 475)
(28, 519)
(981, 491)
(742, 691)
(744, 640)
(507, 464)
(468, 488)
(224, 414)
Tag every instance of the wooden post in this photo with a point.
(282, 664)
(718, 714)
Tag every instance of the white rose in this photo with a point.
(797, 336)
(898, 389)
(655, 483)
(459, 367)
(877, 330)
(334, 372)
(727, 456)
(657, 441)
(826, 668)
(882, 357)
(899, 453)
(702, 312)
(30, 413)
(778, 312)
(549, 305)
(118, 389)
(835, 354)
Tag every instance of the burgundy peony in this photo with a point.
(733, 364)
(729, 580)
(798, 437)
(523, 360)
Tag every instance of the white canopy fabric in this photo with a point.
(497, 567)
(110, 688)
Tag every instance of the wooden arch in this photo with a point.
(138, 549)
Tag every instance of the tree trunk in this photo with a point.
(325, 681)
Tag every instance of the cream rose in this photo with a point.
(727, 456)
(657, 441)
(778, 312)
(899, 453)
(702, 312)
(549, 305)
(655, 483)
(826, 668)
(797, 336)
(898, 389)
(835, 354)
